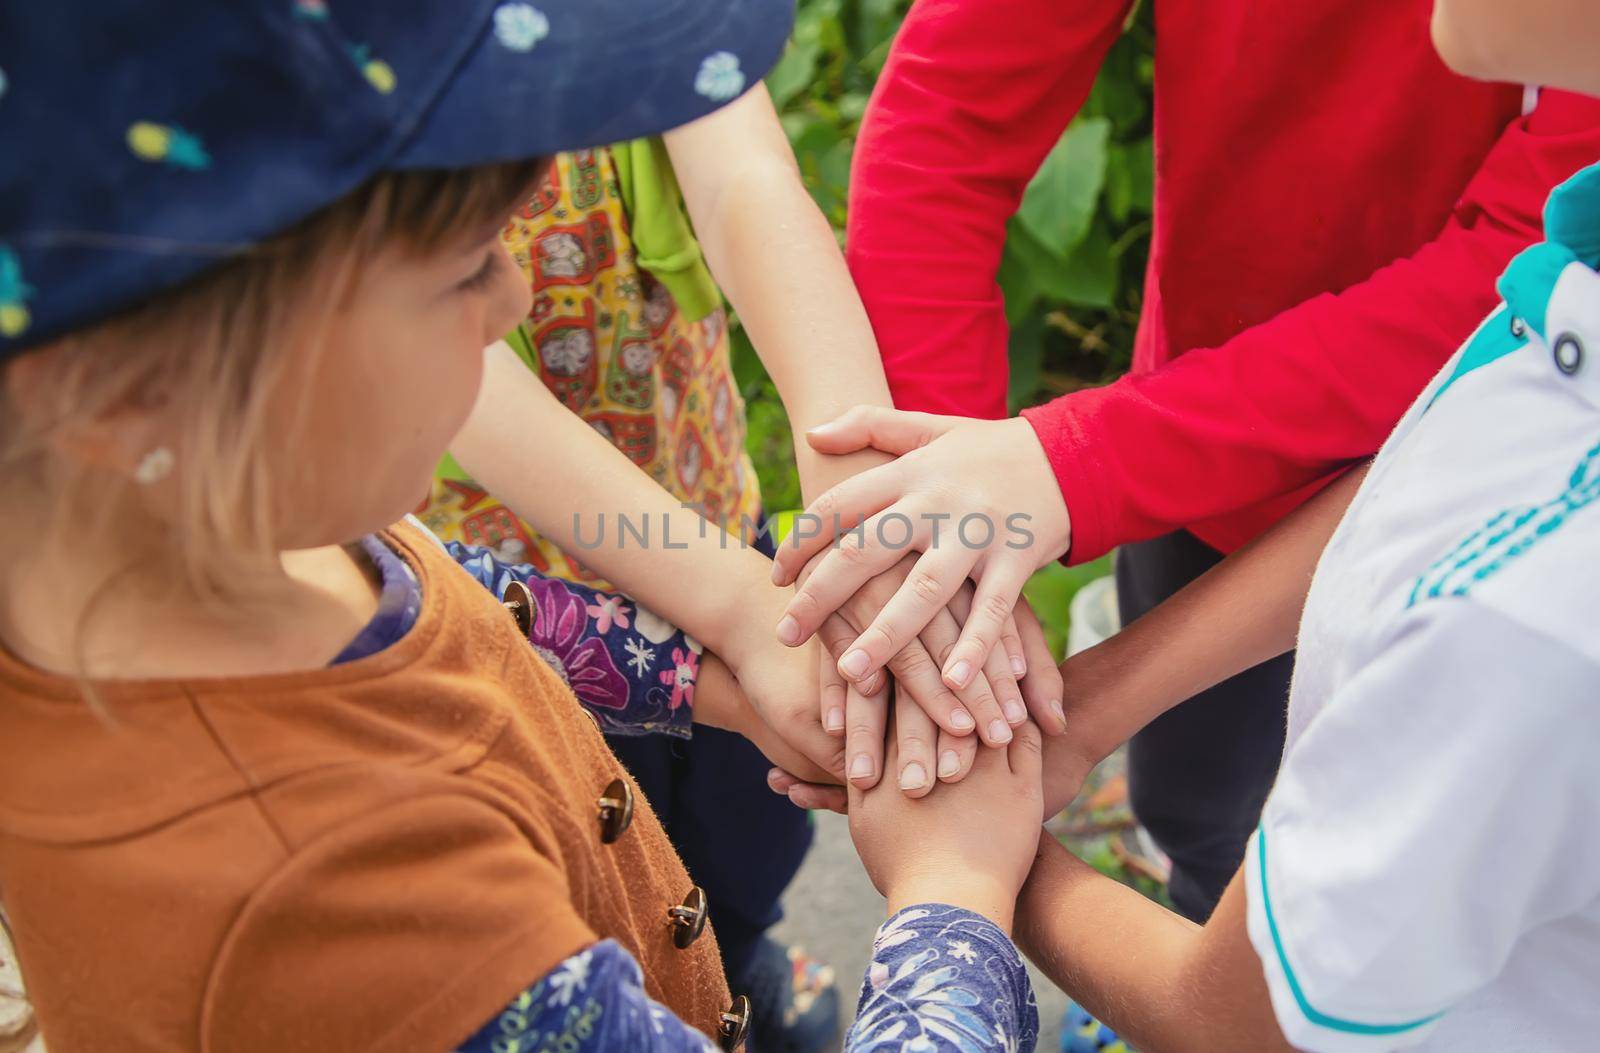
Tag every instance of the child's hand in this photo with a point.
(721, 700)
(1067, 763)
(988, 490)
(969, 845)
(991, 704)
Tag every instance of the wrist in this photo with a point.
(991, 897)
(745, 619)
(1102, 696)
(717, 701)
(1049, 518)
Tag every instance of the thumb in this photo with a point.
(879, 428)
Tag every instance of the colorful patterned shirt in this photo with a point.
(614, 346)
(942, 980)
(633, 671)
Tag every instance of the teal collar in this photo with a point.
(1572, 235)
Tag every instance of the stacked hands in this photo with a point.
(906, 621)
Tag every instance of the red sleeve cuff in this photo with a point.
(1061, 428)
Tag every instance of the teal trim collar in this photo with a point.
(1572, 215)
(1310, 1012)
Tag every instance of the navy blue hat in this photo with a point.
(144, 141)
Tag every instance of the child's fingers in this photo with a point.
(1042, 687)
(814, 798)
(780, 781)
(956, 756)
(1011, 643)
(864, 722)
(937, 575)
(916, 676)
(997, 590)
(837, 635)
(892, 431)
(837, 509)
(838, 575)
(916, 737)
(996, 668)
(808, 795)
(977, 700)
(1025, 758)
(830, 692)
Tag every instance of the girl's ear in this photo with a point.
(119, 439)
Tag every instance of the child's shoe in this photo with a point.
(794, 1001)
(1082, 1033)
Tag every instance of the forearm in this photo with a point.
(577, 489)
(970, 101)
(1240, 613)
(1268, 413)
(777, 259)
(1162, 982)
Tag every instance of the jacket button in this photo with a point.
(519, 601)
(689, 918)
(735, 1024)
(1568, 352)
(616, 811)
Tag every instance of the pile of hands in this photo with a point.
(909, 684)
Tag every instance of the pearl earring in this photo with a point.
(154, 466)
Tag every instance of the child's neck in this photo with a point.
(136, 626)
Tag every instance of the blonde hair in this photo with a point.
(214, 348)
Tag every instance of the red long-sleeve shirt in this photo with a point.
(1332, 207)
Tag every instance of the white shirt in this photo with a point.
(1427, 871)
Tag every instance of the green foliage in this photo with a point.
(1075, 251)
(1050, 591)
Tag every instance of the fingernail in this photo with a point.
(1061, 714)
(854, 664)
(789, 630)
(949, 764)
(869, 685)
(773, 780)
(824, 429)
(1018, 666)
(777, 574)
(861, 767)
(960, 674)
(913, 776)
(1014, 712)
(961, 720)
(999, 733)
(834, 721)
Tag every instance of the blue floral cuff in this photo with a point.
(633, 670)
(594, 1002)
(944, 979)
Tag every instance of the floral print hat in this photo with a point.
(144, 141)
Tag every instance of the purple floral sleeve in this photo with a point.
(633, 670)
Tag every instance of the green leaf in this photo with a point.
(1089, 278)
(794, 71)
(1130, 179)
(1118, 94)
(1025, 354)
(852, 105)
(1060, 201)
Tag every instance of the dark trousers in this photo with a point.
(740, 842)
(1199, 774)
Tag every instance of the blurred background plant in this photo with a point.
(1075, 251)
